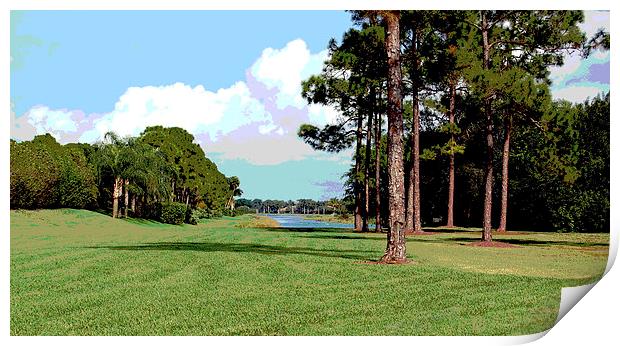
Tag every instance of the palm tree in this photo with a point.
(235, 191)
(135, 167)
(109, 156)
(149, 173)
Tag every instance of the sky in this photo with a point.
(231, 78)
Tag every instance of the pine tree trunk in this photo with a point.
(395, 251)
(488, 179)
(409, 201)
(417, 221)
(126, 188)
(378, 174)
(172, 194)
(367, 171)
(413, 221)
(116, 195)
(505, 159)
(357, 187)
(450, 221)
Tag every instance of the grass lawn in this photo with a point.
(79, 272)
(331, 218)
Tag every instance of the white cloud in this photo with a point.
(575, 67)
(255, 120)
(593, 21)
(193, 108)
(579, 93)
(285, 68)
(560, 74)
(63, 124)
(320, 115)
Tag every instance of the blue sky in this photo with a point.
(229, 77)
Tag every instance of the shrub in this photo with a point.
(173, 213)
(45, 174)
(189, 217)
(151, 211)
(201, 213)
(216, 213)
(244, 210)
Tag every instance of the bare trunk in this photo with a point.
(126, 188)
(133, 204)
(116, 195)
(357, 187)
(378, 174)
(395, 251)
(367, 169)
(413, 221)
(409, 203)
(505, 159)
(417, 220)
(488, 188)
(450, 221)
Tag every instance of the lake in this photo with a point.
(296, 221)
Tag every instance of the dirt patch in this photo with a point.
(384, 262)
(491, 244)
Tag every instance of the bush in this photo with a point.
(45, 174)
(173, 213)
(216, 213)
(244, 210)
(189, 217)
(201, 213)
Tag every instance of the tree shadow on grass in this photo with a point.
(446, 230)
(340, 237)
(524, 242)
(307, 229)
(241, 248)
(550, 242)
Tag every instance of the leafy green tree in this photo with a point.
(196, 178)
(527, 38)
(419, 45)
(351, 81)
(45, 174)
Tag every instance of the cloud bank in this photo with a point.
(579, 79)
(254, 120)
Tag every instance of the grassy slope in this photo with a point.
(78, 272)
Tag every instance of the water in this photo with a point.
(296, 221)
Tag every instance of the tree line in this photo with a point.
(161, 174)
(467, 96)
(300, 206)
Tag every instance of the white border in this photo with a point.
(593, 321)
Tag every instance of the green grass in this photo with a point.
(76, 272)
(330, 218)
